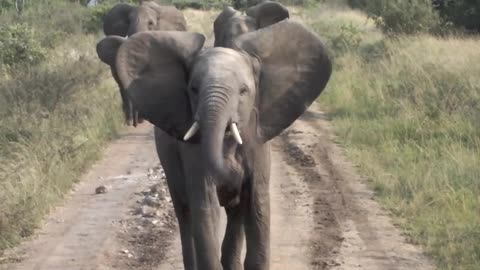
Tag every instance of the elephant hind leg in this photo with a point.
(234, 237)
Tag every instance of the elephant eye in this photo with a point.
(150, 23)
(243, 91)
(194, 90)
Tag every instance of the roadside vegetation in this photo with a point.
(58, 107)
(404, 100)
(405, 103)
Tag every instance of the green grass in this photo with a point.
(407, 111)
(56, 115)
(55, 118)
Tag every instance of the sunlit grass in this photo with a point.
(55, 119)
(407, 111)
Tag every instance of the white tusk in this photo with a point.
(193, 129)
(236, 134)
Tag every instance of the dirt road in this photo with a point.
(323, 215)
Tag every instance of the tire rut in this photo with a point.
(326, 237)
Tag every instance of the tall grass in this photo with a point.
(407, 111)
(55, 117)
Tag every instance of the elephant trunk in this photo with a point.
(215, 118)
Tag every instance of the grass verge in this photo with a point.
(55, 118)
(407, 110)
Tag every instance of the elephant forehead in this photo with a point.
(221, 57)
(222, 64)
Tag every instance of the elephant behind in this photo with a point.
(125, 20)
(231, 23)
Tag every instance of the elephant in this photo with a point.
(125, 20)
(215, 111)
(230, 23)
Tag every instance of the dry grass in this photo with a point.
(54, 120)
(407, 111)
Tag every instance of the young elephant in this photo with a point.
(234, 101)
(125, 20)
(230, 23)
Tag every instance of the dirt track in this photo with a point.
(323, 216)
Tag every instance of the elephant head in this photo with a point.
(233, 98)
(126, 20)
(230, 23)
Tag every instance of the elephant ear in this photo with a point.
(116, 21)
(107, 49)
(294, 70)
(153, 68)
(268, 13)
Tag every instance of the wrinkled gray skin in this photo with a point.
(125, 20)
(231, 23)
(263, 84)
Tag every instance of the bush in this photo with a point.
(94, 19)
(18, 45)
(361, 4)
(462, 13)
(209, 4)
(348, 38)
(404, 17)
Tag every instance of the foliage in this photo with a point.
(361, 4)
(347, 39)
(204, 5)
(462, 13)
(18, 45)
(405, 17)
(95, 16)
(407, 110)
(57, 110)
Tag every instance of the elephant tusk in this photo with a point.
(193, 129)
(236, 134)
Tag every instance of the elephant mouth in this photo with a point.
(231, 131)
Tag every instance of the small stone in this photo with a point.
(156, 222)
(101, 189)
(148, 211)
(151, 201)
(125, 251)
(155, 189)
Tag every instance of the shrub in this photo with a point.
(95, 16)
(361, 4)
(462, 13)
(208, 4)
(18, 45)
(405, 17)
(348, 38)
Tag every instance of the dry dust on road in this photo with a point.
(323, 215)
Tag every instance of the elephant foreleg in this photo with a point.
(257, 226)
(205, 238)
(233, 240)
(186, 237)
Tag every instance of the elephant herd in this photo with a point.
(215, 109)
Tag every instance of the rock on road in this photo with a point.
(323, 215)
